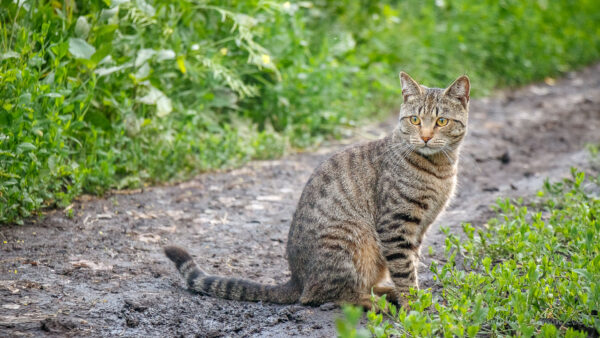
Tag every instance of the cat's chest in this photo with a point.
(437, 195)
(423, 199)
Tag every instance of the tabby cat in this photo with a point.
(362, 215)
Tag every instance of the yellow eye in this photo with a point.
(415, 119)
(442, 121)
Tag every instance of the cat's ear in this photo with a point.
(410, 87)
(460, 89)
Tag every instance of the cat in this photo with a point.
(364, 211)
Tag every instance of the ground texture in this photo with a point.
(102, 272)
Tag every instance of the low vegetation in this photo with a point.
(120, 93)
(532, 271)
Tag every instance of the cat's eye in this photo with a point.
(415, 120)
(442, 121)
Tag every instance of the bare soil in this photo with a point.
(102, 272)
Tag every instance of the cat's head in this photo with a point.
(433, 119)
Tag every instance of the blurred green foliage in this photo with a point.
(119, 93)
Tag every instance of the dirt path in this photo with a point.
(102, 272)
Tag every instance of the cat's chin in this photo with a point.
(428, 150)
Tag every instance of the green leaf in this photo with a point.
(472, 330)
(548, 331)
(109, 70)
(163, 106)
(181, 64)
(82, 27)
(26, 146)
(80, 49)
(8, 55)
(144, 55)
(97, 118)
(162, 102)
(165, 54)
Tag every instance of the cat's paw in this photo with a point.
(399, 298)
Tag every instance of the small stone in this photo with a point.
(504, 158)
(327, 306)
(58, 324)
(272, 320)
(301, 316)
(132, 321)
(135, 306)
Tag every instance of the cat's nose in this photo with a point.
(425, 138)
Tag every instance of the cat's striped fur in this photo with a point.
(363, 213)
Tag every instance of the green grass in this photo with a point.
(532, 271)
(117, 94)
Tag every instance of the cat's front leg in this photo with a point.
(401, 255)
(403, 272)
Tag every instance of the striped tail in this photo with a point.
(229, 288)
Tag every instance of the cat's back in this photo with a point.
(343, 184)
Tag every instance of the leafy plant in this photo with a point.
(529, 272)
(107, 94)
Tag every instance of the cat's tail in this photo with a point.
(229, 288)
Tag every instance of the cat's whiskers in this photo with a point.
(410, 148)
(404, 147)
(443, 151)
(406, 150)
(398, 152)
